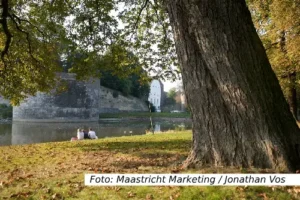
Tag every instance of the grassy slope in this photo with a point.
(56, 170)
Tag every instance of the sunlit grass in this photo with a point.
(56, 170)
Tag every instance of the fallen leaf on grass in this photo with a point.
(240, 188)
(20, 194)
(3, 183)
(59, 184)
(149, 197)
(263, 195)
(26, 185)
(106, 170)
(47, 190)
(175, 170)
(28, 176)
(131, 194)
(295, 190)
(56, 196)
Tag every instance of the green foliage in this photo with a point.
(277, 22)
(170, 99)
(5, 111)
(129, 86)
(36, 35)
(151, 107)
(115, 94)
(153, 40)
(120, 70)
(172, 93)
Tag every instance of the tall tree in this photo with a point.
(240, 116)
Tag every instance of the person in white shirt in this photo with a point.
(92, 134)
(80, 134)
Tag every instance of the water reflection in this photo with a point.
(33, 132)
(5, 134)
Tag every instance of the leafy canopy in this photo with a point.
(278, 24)
(36, 35)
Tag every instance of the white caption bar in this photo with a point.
(191, 179)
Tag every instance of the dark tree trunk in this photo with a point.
(292, 94)
(240, 116)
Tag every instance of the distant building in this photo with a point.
(155, 95)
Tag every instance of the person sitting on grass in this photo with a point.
(86, 134)
(80, 134)
(92, 134)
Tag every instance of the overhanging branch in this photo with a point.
(24, 20)
(139, 15)
(27, 37)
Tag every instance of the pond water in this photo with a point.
(17, 133)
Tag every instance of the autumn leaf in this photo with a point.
(131, 194)
(263, 195)
(149, 197)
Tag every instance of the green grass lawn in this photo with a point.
(144, 114)
(56, 170)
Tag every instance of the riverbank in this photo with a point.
(56, 170)
(145, 115)
(5, 121)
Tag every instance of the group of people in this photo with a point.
(82, 134)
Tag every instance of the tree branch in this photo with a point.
(24, 20)
(139, 15)
(271, 45)
(27, 38)
(160, 20)
(5, 29)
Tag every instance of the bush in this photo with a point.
(151, 106)
(3, 106)
(5, 111)
(115, 94)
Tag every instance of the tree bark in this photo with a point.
(291, 93)
(240, 116)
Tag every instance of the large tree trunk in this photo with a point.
(240, 116)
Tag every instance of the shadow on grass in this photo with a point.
(172, 145)
(133, 155)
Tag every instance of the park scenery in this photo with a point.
(149, 99)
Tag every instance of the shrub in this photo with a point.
(115, 94)
(5, 111)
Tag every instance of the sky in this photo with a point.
(168, 84)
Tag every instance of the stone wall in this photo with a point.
(80, 102)
(112, 101)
